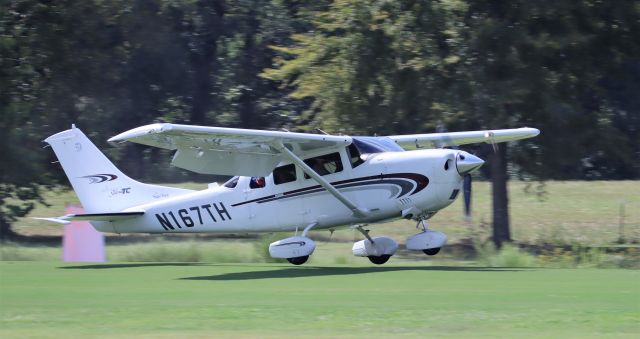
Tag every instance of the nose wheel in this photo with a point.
(428, 241)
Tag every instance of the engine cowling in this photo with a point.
(292, 247)
(381, 246)
(426, 240)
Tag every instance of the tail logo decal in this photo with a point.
(98, 178)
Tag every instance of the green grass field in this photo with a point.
(222, 288)
(174, 300)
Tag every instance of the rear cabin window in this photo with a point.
(284, 174)
(325, 164)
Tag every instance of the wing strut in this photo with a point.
(357, 211)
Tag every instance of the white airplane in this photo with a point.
(284, 182)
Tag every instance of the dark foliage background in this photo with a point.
(569, 68)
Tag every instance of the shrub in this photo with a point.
(18, 252)
(590, 257)
(185, 251)
(261, 247)
(508, 256)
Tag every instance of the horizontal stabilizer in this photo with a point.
(65, 219)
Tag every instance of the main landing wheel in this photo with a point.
(298, 260)
(379, 260)
(431, 251)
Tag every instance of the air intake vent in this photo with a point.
(454, 194)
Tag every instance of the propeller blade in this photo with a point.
(466, 189)
(444, 141)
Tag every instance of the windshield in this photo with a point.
(232, 183)
(368, 145)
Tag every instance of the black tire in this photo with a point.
(379, 260)
(298, 260)
(431, 251)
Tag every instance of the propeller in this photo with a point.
(445, 140)
(466, 189)
(467, 165)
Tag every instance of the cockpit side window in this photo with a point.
(232, 183)
(354, 155)
(325, 164)
(257, 182)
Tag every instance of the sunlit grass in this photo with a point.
(200, 300)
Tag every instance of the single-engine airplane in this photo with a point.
(283, 181)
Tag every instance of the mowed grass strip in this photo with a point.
(174, 300)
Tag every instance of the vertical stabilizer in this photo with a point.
(100, 186)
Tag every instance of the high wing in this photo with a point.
(230, 151)
(233, 151)
(436, 140)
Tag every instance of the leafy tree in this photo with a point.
(247, 100)
(372, 67)
(400, 66)
(22, 77)
(568, 68)
(543, 64)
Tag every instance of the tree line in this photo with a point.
(569, 68)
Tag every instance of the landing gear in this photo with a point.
(431, 251)
(379, 260)
(427, 241)
(298, 260)
(377, 249)
(296, 249)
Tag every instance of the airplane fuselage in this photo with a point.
(388, 185)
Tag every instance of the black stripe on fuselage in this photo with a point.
(419, 183)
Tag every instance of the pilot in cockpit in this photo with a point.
(256, 182)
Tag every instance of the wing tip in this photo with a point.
(532, 131)
(140, 131)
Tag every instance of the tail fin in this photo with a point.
(100, 186)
